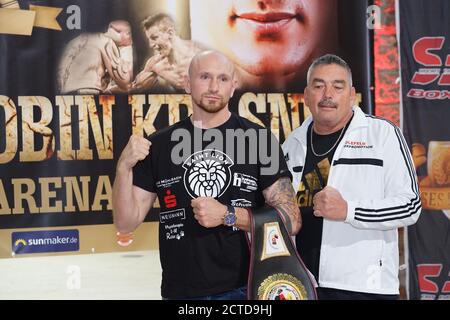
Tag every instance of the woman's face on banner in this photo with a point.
(266, 38)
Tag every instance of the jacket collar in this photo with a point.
(359, 120)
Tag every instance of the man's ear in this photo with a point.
(171, 32)
(187, 83)
(353, 96)
(236, 82)
(306, 96)
(235, 85)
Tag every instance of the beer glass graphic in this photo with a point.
(439, 163)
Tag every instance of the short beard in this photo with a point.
(212, 108)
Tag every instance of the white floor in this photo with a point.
(124, 275)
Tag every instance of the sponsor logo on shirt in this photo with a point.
(245, 182)
(174, 231)
(165, 216)
(170, 200)
(166, 183)
(207, 173)
(173, 225)
(357, 144)
(241, 203)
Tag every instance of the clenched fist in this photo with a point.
(208, 211)
(329, 204)
(136, 149)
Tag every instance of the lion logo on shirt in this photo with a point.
(207, 173)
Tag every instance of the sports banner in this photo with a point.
(78, 77)
(425, 76)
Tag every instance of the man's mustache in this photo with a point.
(327, 103)
(212, 95)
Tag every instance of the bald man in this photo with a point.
(204, 188)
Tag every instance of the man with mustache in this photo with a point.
(203, 248)
(355, 186)
(272, 43)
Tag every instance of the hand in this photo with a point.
(329, 204)
(160, 65)
(152, 61)
(144, 81)
(208, 211)
(136, 149)
(169, 72)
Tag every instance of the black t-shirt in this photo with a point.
(314, 179)
(198, 261)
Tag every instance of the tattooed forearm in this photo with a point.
(281, 195)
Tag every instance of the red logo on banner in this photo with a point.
(425, 51)
(428, 287)
(422, 54)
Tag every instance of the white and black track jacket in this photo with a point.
(373, 170)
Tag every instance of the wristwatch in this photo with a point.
(230, 217)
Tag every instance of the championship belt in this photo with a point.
(276, 270)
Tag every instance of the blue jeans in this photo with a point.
(235, 294)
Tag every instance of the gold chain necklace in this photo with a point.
(334, 145)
